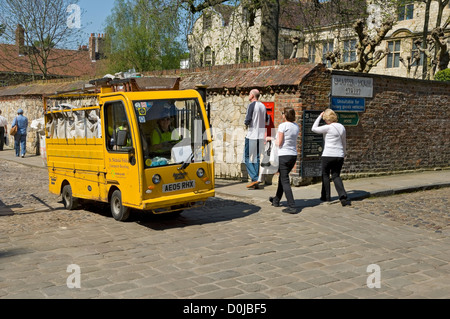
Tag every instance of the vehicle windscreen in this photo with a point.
(172, 131)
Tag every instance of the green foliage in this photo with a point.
(443, 75)
(142, 35)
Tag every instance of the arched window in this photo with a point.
(245, 52)
(209, 58)
(207, 21)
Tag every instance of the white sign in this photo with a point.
(352, 86)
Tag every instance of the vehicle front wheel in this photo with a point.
(70, 202)
(118, 211)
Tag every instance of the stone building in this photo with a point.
(224, 35)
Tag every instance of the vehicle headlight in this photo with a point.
(156, 179)
(200, 172)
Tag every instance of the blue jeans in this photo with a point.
(20, 142)
(252, 157)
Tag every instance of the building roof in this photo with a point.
(41, 88)
(64, 63)
(252, 75)
(242, 76)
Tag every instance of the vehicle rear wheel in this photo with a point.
(70, 202)
(118, 211)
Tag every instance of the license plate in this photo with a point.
(167, 188)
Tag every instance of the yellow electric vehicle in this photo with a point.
(138, 143)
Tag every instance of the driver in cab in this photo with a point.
(164, 136)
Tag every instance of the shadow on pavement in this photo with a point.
(215, 210)
(14, 252)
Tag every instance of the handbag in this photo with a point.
(266, 158)
(13, 130)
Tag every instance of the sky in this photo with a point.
(94, 15)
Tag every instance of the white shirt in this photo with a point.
(335, 137)
(256, 121)
(3, 121)
(290, 131)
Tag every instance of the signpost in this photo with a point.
(348, 97)
(345, 104)
(348, 118)
(312, 146)
(352, 86)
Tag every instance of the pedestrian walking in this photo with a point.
(335, 137)
(20, 138)
(255, 122)
(286, 141)
(3, 130)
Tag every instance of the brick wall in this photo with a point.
(403, 128)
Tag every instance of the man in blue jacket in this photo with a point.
(20, 139)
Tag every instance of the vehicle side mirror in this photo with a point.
(122, 138)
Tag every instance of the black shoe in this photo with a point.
(323, 199)
(290, 210)
(275, 201)
(345, 202)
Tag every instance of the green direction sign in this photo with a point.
(348, 118)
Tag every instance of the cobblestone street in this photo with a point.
(231, 248)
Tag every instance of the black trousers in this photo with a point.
(332, 166)
(2, 138)
(286, 164)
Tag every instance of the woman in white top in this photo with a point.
(333, 154)
(286, 141)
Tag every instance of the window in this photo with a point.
(312, 53)
(237, 55)
(171, 130)
(349, 51)
(248, 17)
(245, 52)
(207, 21)
(393, 58)
(327, 47)
(209, 60)
(287, 47)
(405, 12)
(117, 122)
(415, 51)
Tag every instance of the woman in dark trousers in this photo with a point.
(286, 141)
(333, 155)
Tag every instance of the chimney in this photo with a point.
(20, 40)
(96, 47)
(92, 47)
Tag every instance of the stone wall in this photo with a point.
(32, 107)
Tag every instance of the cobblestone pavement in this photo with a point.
(230, 248)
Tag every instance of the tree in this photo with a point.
(433, 45)
(142, 35)
(45, 29)
(367, 55)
